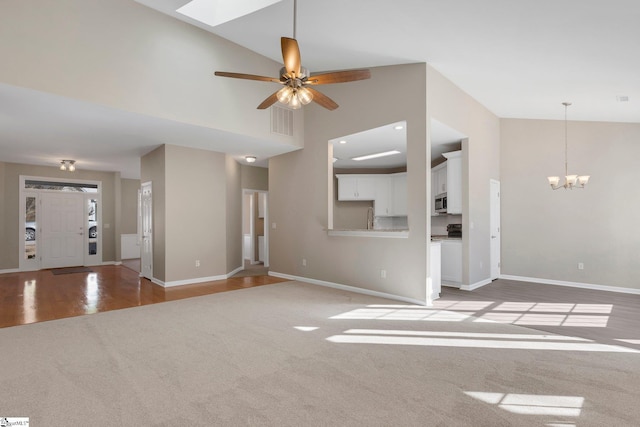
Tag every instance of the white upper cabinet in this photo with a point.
(356, 187)
(454, 182)
(391, 195)
(389, 192)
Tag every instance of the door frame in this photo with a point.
(142, 235)
(36, 263)
(252, 227)
(495, 238)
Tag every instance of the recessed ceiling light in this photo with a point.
(622, 98)
(342, 141)
(398, 127)
(376, 155)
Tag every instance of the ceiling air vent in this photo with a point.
(281, 121)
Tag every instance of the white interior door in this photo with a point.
(62, 230)
(146, 229)
(495, 228)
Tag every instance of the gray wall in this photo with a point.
(254, 177)
(300, 187)
(233, 215)
(546, 233)
(10, 207)
(122, 54)
(195, 183)
(481, 162)
(129, 205)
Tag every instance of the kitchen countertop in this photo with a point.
(444, 237)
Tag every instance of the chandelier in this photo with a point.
(570, 181)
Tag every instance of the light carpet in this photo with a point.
(294, 354)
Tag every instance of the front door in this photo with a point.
(62, 230)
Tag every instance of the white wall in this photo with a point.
(546, 233)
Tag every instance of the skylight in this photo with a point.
(216, 12)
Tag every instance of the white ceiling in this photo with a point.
(519, 59)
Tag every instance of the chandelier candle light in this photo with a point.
(571, 181)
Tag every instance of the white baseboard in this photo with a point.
(347, 288)
(10, 270)
(571, 284)
(234, 272)
(476, 285)
(194, 281)
(451, 285)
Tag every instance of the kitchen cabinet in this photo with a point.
(435, 256)
(447, 178)
(454, 182)
(356, 187)
(391, 195)
(451, 253)
(439, 174)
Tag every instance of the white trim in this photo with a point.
(572, 284)
(194, 281)
(450, 284)
(12, 270)
(237, 270)
(474, 286)
(402, 234)
(347, 288)
(107, 263)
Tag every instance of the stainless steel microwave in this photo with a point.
(441, 203)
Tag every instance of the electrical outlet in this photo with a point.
(383, 274)
(580, 266)
(197, 263)
(304, 262)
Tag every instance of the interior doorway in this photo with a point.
(145, 229)
(255, 232)
(494, 226)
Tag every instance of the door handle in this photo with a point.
(493, 237)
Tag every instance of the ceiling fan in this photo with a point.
(297, 80)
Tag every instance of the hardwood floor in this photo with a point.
(39, 296)
(601, 316)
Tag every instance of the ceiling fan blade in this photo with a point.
(323, 99)
(246, 76)
(272, 99)
(291, 56)
(339, 77)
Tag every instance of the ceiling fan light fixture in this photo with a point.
(294, 102)
(285, 94)
(304, 95)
